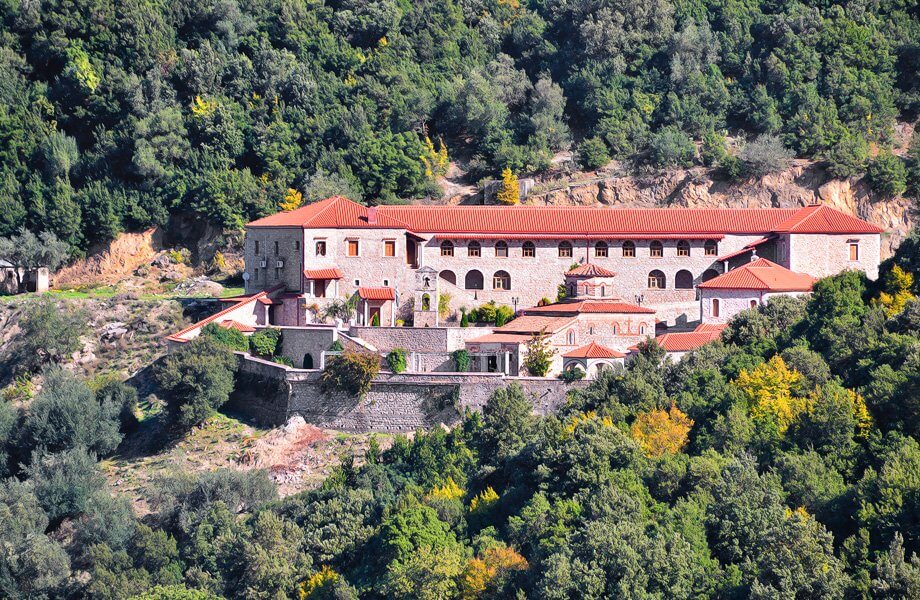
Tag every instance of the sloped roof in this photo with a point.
(590, 306)
(242, 327)
(761, 274)
(818, 218)
(746, 249)
(593, 350)
(536, 324)
(376, 293)
(590, 270)
(262, 297)
(324, 273)
(575, 221)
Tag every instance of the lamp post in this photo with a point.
(514, 301)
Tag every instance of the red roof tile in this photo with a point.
(818, 218)
(590, 270)
(710, 327)
(503, 338)
(260, 297)
(589, 306)
(231, 324)
(574, 221)
(324, 273)
(536, 324)
(377, 293)
(761, 274)
(686, 340)
(593, 350)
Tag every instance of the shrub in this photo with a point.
(712, 149)
(48, 335)
(265, 341)
(283, 360)
(66, 414)
(464, 318)
(593, 153)
(231, 338)
(396, 360)
(336, 346)
(765, 155)
(351, 372)
(848, 157)
(671, 147)
(510, 191)
(888, 174)
(490, 312)
(65, 482)
(461, 360)
(539, 355)
(443, 305)
(197, 379)
(375, 320)
(572, 374)
(118, 394)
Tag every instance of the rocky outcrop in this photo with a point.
(803, 183)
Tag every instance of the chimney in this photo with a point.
(372, 215)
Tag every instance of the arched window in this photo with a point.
(603, 290)
(473, 280)
(501, 281)
(683, 248)
(600, 249)
(426, 302)
(474, 249)
(501, 249)
(709, 274)
(683, 280)
(656, 249)
(565, 250)
(642, 329)
(528, 250)
(629, 249)
(307, 361)
(447, 248)
(656, 280)
(448, 276)
(753, 303)
(711, 248)
(570, 337)
(715, 307)
(615, 329)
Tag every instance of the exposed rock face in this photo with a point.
(803, 183)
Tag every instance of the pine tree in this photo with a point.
(509, 193)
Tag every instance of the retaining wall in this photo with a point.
(271, 393)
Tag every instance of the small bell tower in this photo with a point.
(427, 294)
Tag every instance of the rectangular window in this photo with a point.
(389, 247)
(854, 251)
(321, 248)
(276, 248)
(386, 283)
(715, 307)
(256, 270)
(353, 248)
(357, 282)
(277, 273)
(297, 245)
(257, 247)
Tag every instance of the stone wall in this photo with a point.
(824, 255)
(299, 342)
(271, 393)
(418, 339)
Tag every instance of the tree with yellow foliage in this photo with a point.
(898, 286)
(203, 107)
(483, 500)
(436, 161)
(510, 191)
(482, 573)
(768, 389)
(293, 199)
(319, 582)
(662, 432)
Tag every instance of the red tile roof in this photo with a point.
(593, 350)
(686, 340)
(231, 324)
(536, 324)
(573, 221)
(377, 293)
(818, 218)
(590, 306)
(503, 338)
(761, 274)
(710, 327)
(744, 250)
(324, 273)
(590, 270)
(259, 296)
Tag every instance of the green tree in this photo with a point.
(887, 174)
(197, 379)
(28, 251)
(48, 334)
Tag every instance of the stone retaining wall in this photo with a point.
(271, 393)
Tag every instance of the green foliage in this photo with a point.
(888, 174)
(539, 356)
(228, 337)
(712, 150)
(490, 312)
(336, 346)
(765, 155)
(197, 379)
(265, 341)
(65, 482)
(351, 372)
(593, 153)
(671, 147)
(464, 318)
(48, 335)
(462, 360)
(396, 360)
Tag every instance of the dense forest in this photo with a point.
(782, 461)
(115, 114)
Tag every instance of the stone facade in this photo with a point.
(732, 302)
(824, 255)
(271, 393)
